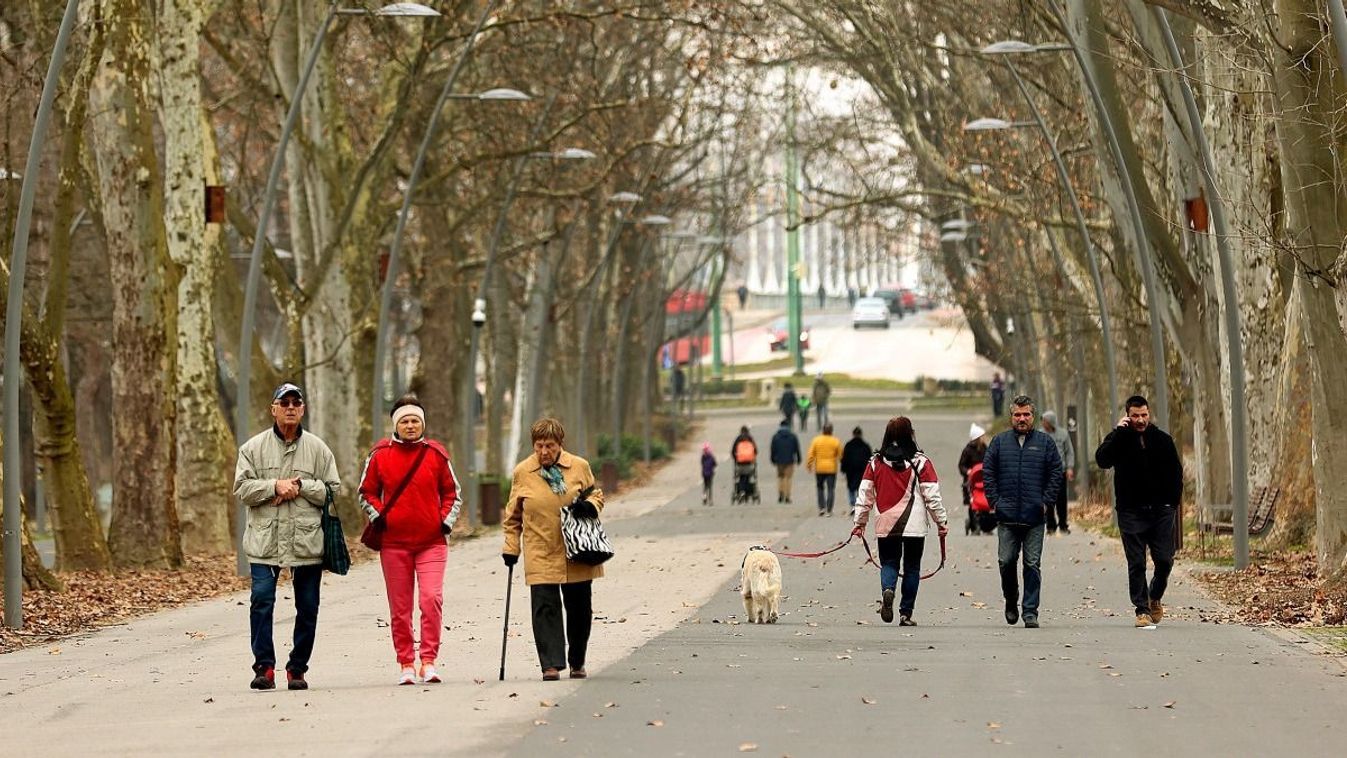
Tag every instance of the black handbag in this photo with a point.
(336, 558)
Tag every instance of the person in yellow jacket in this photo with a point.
(824, 454)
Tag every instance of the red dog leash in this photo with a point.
(869, 555)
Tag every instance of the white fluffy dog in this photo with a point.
(760, 581)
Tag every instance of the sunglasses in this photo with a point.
(288, 403)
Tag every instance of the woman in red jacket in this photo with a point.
(408, 491)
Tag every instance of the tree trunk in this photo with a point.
(204, 475)
(35, 575)
(1308, 91)
(144, 531)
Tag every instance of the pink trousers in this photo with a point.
(406, 571)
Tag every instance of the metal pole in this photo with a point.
(794, 320)
(13, 461)
(391, 275)
(1160, 396)
(469, 394)
(1091, 255)
(242, 410)
(730, 317)
(1239, 460)
(1339, 20)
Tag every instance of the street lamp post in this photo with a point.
(243, 410)
(794, 319)
(13, 462)
(1339, 20)
(1239, 456)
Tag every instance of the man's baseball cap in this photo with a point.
(287, 389)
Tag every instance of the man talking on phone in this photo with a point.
(1148, 482)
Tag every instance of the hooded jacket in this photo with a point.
(1021, 479)
(888, 488)
(785, 447)
(1148, 469)
(288, 533)
(825, 452)
(855, 457)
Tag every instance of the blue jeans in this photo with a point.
(852, 492)
(307, 581)
(908, 550)
(826, 484)
(1011, 538)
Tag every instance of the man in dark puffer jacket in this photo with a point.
(1022, 473)
(1148, 483)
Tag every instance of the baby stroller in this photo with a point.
(981, 520)
(746, 483)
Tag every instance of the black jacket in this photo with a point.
(785, 447)
(855, 457)
(1021, 480)
(1147, 468)
(788, 403)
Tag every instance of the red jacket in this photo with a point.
(430, 499)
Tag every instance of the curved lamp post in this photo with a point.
(13, 518)
(243, 410)
(1239, 456)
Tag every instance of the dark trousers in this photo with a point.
(1057, 514)
(907, 550)
(307, 582)
(1011, 540)
(548, 634)
(707, 488)
(1142, 528)
(826, 484)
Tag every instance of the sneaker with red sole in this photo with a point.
(294, 680)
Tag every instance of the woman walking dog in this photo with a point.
(896, 479)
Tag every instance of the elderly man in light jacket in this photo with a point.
(1057, 513)
(283, 477)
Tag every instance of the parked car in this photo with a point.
(892, 299)
(925, 301)
(908, 298)
(870, 311)
(780, 336)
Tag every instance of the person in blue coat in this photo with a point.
(785, 456)
(1022, 473)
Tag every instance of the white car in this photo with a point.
(870, 311)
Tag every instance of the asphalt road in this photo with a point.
(673, 672)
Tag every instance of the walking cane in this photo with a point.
(505, 634)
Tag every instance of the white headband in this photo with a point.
(408, 410)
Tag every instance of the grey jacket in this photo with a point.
(1065, 449)
(288, 533)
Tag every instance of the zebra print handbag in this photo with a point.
(586, 542)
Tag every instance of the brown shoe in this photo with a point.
(578, 673)
(551, 675)
(1157, 611)
(1144, 620)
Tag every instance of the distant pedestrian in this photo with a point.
(541, 485)
(742, 292)
(972, 456)
(1021, 472)
(708, 473)
(855, 456)
(821, 393)
(825, 453)
(283, 476)
(822, 296)
(679, 382)
(785, 456)
(895, 480)
(744, 451)
(788, 404)
(409, 492)
(802, 404)
(1067, 451)
(1147, 484)
(998, 394)
(851, 297)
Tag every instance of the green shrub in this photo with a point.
(632, 449)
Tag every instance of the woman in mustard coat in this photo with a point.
(541, 485)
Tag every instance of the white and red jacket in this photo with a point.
(430, 499)
(888, 488)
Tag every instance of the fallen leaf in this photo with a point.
(1105, 665)
(656, 722)
(979, 605)
(1170, 704)
(539, 722)
(748, 747)
(965, 594)
(547, 704)
(843, 657)
(868, 700)
(475, 680)
(209, 700)
(993, 725)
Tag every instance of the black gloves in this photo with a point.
(379, 523)
(509, 559)
(584, 509)
(445, 529)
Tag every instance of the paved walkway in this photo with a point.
(674, 673)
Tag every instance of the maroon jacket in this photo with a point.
(430, 499)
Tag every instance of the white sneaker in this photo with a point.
(428, 674)
(408, 676)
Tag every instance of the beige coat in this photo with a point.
(288, 533)
(533, 516)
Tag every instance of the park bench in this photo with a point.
(1220, 517)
